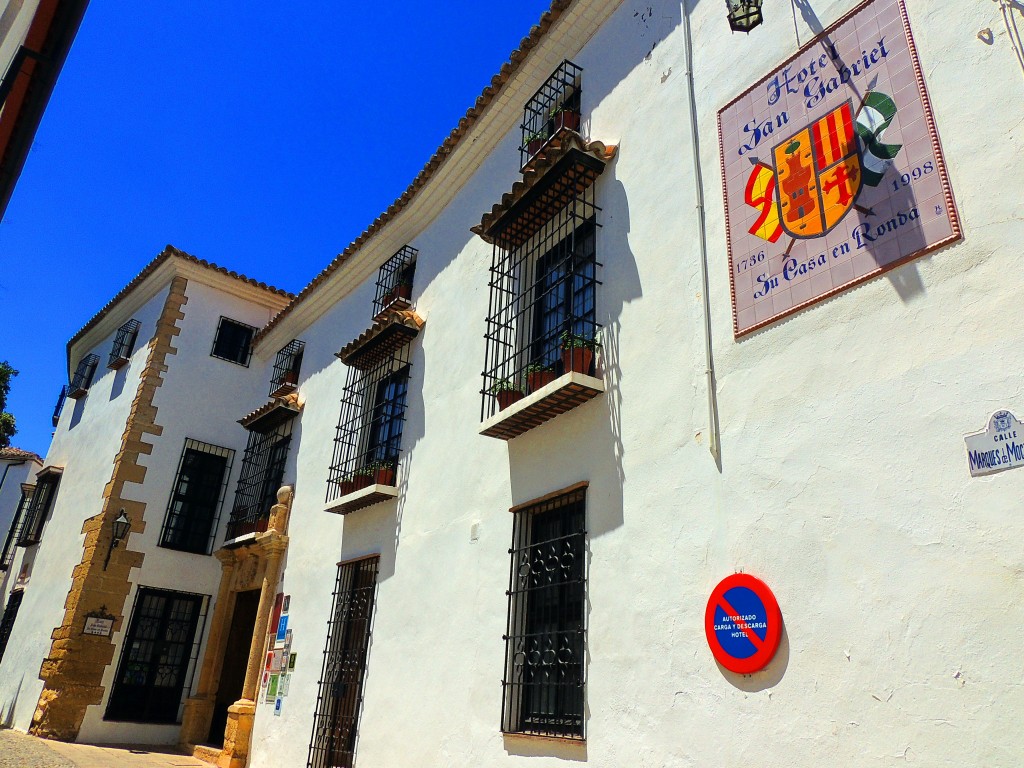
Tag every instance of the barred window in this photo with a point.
(233, 341)
(336, 722)
(60, 405)
(394, 281)
(545, 674)
(39, 509)
(260, 478)
(286, 368)
(17, 524)
(192, 512)
(7, 622)
(82, 379)
(124, 344)
(554, 108)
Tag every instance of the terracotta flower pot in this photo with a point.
(534, 147)
(538, 379)
(403, 291)
(578, 359)
(362, 481)
(385, 476)
(345, 487)
(568, 120)
(508, 396)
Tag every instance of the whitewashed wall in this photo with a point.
(85, 442)
(843, 484)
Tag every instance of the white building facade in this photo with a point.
(515, 568)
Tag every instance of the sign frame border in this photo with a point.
(773, 616)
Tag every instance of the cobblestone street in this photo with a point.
(20, 751)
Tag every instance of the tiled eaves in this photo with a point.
(549, 156)
(490, 94)
(17, 454)
(272, 413)
(168, 253)
(406, 318)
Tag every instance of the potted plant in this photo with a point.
(403, 290)
(363, 478)
(578, 352)
(347, 485)
(564, 117)
(534, 142)
(538, 375)
(382, 472)
(289, 377)
(506, 392)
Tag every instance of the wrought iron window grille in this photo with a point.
(17, 526)
(233, 341)
(368, 439)
(82, 379)
(38, 510)
(60, 405)
(394, 281)
(340, 697)
(193, 509)
(286, 368)
(7, 622)
(542, 316)
(555, 107)
(544, 685)
(259, 479)
(124, 344)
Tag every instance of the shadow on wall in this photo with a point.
(769, 677)
(7, 719)
(76, 414)
(120, 377)
(594, 441)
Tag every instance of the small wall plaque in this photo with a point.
(998, 447)
(99, 623)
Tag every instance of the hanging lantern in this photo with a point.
(744, 15)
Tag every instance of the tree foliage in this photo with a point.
(7, 427)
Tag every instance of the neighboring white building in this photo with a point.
(517, 568)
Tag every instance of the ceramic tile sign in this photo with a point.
(743, 623)
(832, 169)
(996, 448)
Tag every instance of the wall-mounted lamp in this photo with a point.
(121, 526)
(744, 15)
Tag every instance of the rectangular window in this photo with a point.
(39, 509)
(286, 368)
(368, 441)
(7, 622)
(260, 479)
(394, 281)
(124, 344)
(192, 513)
(233, 341)
(158, 657)
(545, 642)
(336, 722)
(17, 524)
(554, 108)
(82, 379)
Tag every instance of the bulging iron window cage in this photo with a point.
(17, 526)
(82, 379)
(394, 281)
(336, 721)
(545, 640)
(553, 108)
(261, 476)
(368, 440)
(38, 509)
(286, 368)
(542, 318)
(60, 405)
(194, 506)
(124, 344)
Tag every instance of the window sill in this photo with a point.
(117, 363)
(570, 741)
(364, 497)
(76, 394)
(561, 395)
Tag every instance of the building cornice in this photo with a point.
(562, 32)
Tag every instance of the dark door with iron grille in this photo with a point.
(7, 623)
(155, 657)
(341, 686)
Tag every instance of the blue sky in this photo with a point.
(259, 140)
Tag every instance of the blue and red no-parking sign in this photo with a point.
(743, 623)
